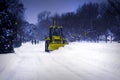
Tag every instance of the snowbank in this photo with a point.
(76, 61)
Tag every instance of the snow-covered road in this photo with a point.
(76, 61)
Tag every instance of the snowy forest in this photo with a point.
(11, 23)
(91, 22)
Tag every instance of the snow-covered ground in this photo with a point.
(76, 61)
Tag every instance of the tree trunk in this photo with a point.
(111, 39)
(98, 39)
(106, 38)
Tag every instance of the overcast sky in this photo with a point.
(34, 7)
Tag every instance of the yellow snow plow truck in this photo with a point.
(55, 38)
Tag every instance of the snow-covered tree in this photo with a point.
(11, 12)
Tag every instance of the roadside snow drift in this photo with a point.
(76, 61)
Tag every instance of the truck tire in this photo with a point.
(46, 46)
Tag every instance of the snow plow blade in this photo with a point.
(53, 46)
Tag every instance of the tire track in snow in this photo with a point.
(11, 65)
(67, 67)
(92, 75)
(58, 71)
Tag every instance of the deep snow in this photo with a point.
(76, 61)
